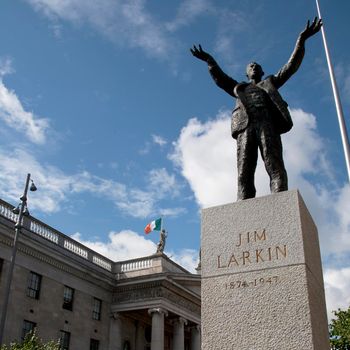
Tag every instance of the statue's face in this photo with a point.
(254, 71)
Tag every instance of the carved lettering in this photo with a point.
(233, 260)
(219, 262)
(245, 257)
(240, 240)
(270, 256)
(284, 252)
(261, 237)
(257, 282)
(249, 237)
(258, 255)
(253, 256)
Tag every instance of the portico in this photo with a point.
(164, 307)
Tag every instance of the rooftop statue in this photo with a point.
(260, 115)
(161, 243)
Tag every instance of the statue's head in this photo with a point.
(254, 71)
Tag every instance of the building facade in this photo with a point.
(70, 292)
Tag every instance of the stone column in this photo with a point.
(179, 334)
(157, 342)
(115, 332)
(196, 338)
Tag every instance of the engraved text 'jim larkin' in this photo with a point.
(252, 256)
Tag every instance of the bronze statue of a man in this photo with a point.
(260, 115)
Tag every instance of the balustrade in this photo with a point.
(136, 265)
(43, 231)
(56, 237)
(6, 211)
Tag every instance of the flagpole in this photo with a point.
(338, 105)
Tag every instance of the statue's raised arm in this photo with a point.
(311, 30)
(297, 56)
(221, 79)
(200, 53)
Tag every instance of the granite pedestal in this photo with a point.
(262, 283)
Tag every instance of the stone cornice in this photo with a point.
(161, 289)
(171, 277)
(82, 273)
(155, 281)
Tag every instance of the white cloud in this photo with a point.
(13, 113)
(231, 24)
(156, 139)
(139, 204)
(213, 177)
(144, 30)
(174, 212)
(125, 23)
(52, 183)
(343, 207)
(145, 148)
(337, 287)
(159, 140)
(224, 45)
(143, 203)
(57, 187)
(187, 258)
(56, 30)
(187, 12)
(162, 183)
(122, 245)
(304, 148)
(131, 24)
(334, 220)
(342, 72)
(6, 66)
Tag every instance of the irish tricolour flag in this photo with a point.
(154, 226)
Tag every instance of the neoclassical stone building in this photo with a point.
(69, 292)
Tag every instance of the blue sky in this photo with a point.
(104, 104)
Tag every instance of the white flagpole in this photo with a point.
(338, 105)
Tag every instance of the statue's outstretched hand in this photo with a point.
(200, 53)
(312, 29)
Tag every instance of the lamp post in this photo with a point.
(21, 210)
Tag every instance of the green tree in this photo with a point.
(32, 342)
(339, 330)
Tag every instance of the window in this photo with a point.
(64, 340)
(94, 344)
(68, 295)
(96, 309)
(27, 327)
(34, 283)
